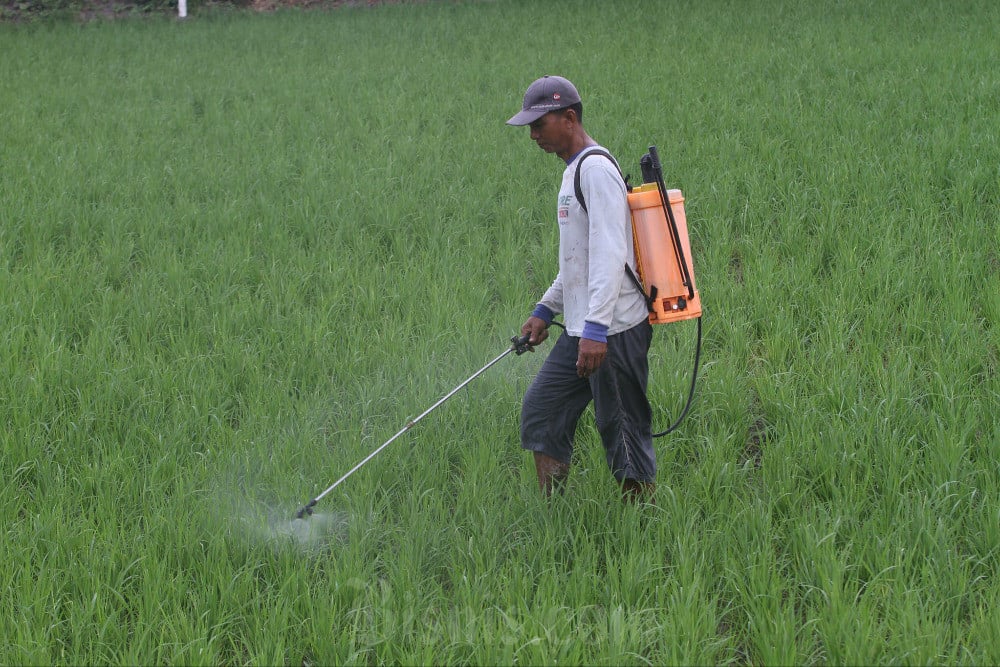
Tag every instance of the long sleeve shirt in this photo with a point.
(591, 288)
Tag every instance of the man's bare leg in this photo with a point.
(634, 491)
(551, 473)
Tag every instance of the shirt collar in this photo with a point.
(578, 153)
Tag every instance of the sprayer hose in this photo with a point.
(694, 379)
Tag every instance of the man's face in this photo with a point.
(552, 132)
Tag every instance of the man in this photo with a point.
(602, 356)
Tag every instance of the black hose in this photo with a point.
(694, 379)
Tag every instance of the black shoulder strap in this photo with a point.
(651, 296)
(576, 177)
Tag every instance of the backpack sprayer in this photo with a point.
(662, 245)
(662, 249)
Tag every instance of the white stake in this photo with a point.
(182, 8)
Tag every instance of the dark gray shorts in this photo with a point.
(558, 396)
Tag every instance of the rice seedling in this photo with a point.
(238, 252)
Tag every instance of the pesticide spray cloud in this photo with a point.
(237, 503)
(274, 525)
(248, 514)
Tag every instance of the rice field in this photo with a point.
(239, 252)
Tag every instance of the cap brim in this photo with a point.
(527, 116)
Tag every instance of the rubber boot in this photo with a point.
(551, 472)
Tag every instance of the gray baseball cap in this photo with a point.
(544, 95)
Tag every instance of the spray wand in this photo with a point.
(518, 345)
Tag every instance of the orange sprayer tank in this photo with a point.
(659, 264)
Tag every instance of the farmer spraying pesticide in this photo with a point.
(603, 355)
(623, 265)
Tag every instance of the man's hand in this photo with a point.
(590, 357)
(537, 329)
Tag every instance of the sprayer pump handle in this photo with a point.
(646, 165)
(657, 167)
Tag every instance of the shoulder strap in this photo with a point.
(650, 297)
(576, 177)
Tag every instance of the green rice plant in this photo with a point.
(239, 252)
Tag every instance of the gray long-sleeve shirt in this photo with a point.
(591, 288)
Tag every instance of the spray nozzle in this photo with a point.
(307, 510)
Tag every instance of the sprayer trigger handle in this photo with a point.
(520, 345)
